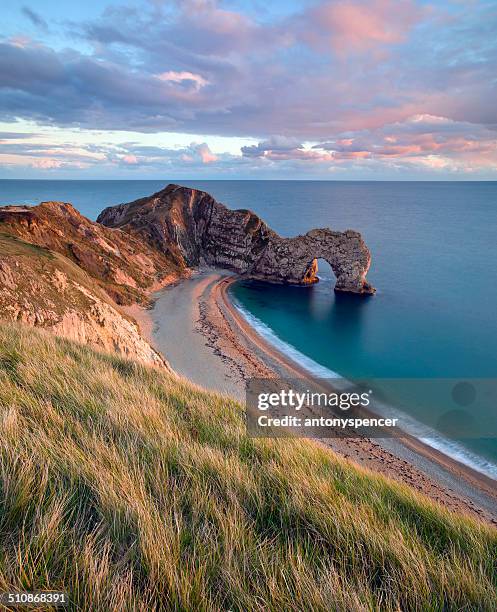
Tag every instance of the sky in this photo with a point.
(246, 89)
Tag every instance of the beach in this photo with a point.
(206, 339)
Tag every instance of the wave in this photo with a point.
(311, 366)
(415, 428)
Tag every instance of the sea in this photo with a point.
(434, 264)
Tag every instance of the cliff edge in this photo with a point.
(128, 269)
(41, 288)
(64, 273)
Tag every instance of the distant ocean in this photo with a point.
(434, 248)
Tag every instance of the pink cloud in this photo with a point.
(358, 26)
(301, 154)
(424, 140)
(281, 148)
(196, 80)
(206, 155)
(130, 160)
(47, 164)
(337, 155)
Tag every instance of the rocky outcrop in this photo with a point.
(41, 288)
(128, 269)
(294, 260)
(190, 228)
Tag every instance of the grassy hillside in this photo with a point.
(134, 491)
(34, 271)
(124, 266)
(43, 288)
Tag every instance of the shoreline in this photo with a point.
(206, 339)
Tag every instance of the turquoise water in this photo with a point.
(434, 248)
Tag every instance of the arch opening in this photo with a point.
(318, 269)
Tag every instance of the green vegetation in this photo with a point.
(134, 490)
(12, 245)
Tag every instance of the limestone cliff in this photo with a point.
(41, 288)
(125, 267)
(190, 227)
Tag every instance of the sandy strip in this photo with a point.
(175, 332)
(195, 326)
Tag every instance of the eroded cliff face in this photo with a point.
(42, 288)
(190, 227)
(125, 267)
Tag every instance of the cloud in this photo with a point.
(275, 144)
(183, 77)
(16, 136)
(425, 144)
(35, 18)
(130, 155)
(282, 149)
(364, 81)
(47, 164)
(424, 140)
(205, 154)
(130, 159)
(203, 69)
(358, 26)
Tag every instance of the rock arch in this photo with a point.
(294, 260)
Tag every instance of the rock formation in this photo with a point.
(127, 268)
(190, 228)
(64, 273)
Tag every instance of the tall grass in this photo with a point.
(133, 490)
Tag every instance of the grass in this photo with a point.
(133, 490)
(12, 245)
